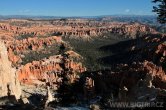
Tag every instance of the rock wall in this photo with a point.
(9, 84)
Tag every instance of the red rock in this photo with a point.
(47, 70)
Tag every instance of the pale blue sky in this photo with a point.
(75, 7)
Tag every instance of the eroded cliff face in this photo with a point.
(135, 82)
(83, 29)
(158, 74)
(160, 55)
(50, 70)
(143, 78)
(50, 65)
(17, 48)
(9, 83)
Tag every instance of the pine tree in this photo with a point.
(160, 9)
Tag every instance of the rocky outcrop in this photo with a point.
(64, 72)
(78, 29)
(50, 70)
(160, 55)
(33, 44)
(126, 78)
(129, 30)
(18, 47)
(7, 32)
(9, 83)
(158, 74)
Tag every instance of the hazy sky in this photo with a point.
(75, 7)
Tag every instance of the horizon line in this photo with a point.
(81, 16)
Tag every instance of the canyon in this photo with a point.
(48, 59)
(71, 28)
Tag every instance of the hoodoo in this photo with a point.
(9, 84)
